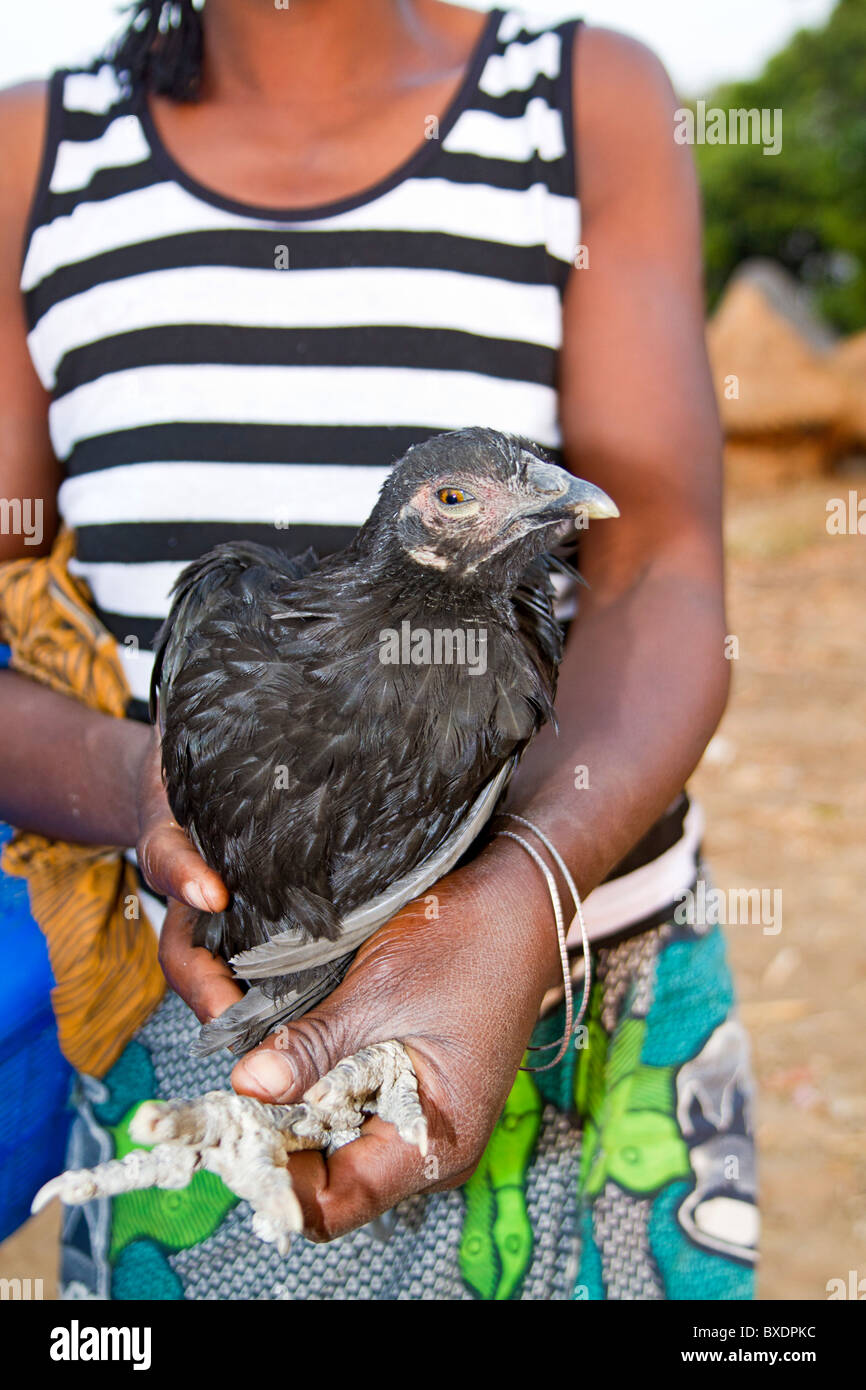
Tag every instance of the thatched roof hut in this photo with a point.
(780, 399)
(849, 363)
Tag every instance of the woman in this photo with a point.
(266, 251)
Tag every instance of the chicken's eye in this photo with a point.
(453, 496)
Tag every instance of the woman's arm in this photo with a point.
(64, 770)
(28, 468)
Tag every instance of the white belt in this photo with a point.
(613, 906)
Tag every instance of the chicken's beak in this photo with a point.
(559, 494)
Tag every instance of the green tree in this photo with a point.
(806, 206)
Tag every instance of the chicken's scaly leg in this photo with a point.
(248, 1143)
(242, 1141)
(378, 1080)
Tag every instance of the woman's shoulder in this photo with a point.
(24, 119)
(36, 118)
(624, 112)
(620, 66)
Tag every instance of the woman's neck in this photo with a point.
(258, 54)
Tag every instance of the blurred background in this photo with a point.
(783, 780)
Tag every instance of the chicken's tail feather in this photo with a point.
(245, 1024)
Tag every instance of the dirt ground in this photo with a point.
(784, 787)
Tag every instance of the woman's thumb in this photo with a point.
(294, 1057)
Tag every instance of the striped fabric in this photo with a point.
(200, 392)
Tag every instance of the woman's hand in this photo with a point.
(458, 977)
(165, 855)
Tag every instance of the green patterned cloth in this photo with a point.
(625, 1172)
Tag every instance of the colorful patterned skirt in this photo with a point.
(625, 1172)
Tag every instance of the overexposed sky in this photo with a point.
(702, 41)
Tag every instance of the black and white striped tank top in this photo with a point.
(219, 370)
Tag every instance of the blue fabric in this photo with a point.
(34, 1075)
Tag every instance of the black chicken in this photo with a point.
(334, 737)
(330, 729)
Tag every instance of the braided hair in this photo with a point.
(161, 49)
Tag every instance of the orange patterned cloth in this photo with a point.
(85, 898)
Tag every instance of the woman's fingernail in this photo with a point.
(272, 1072)
(193, 895)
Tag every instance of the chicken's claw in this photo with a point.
(248, 1144)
